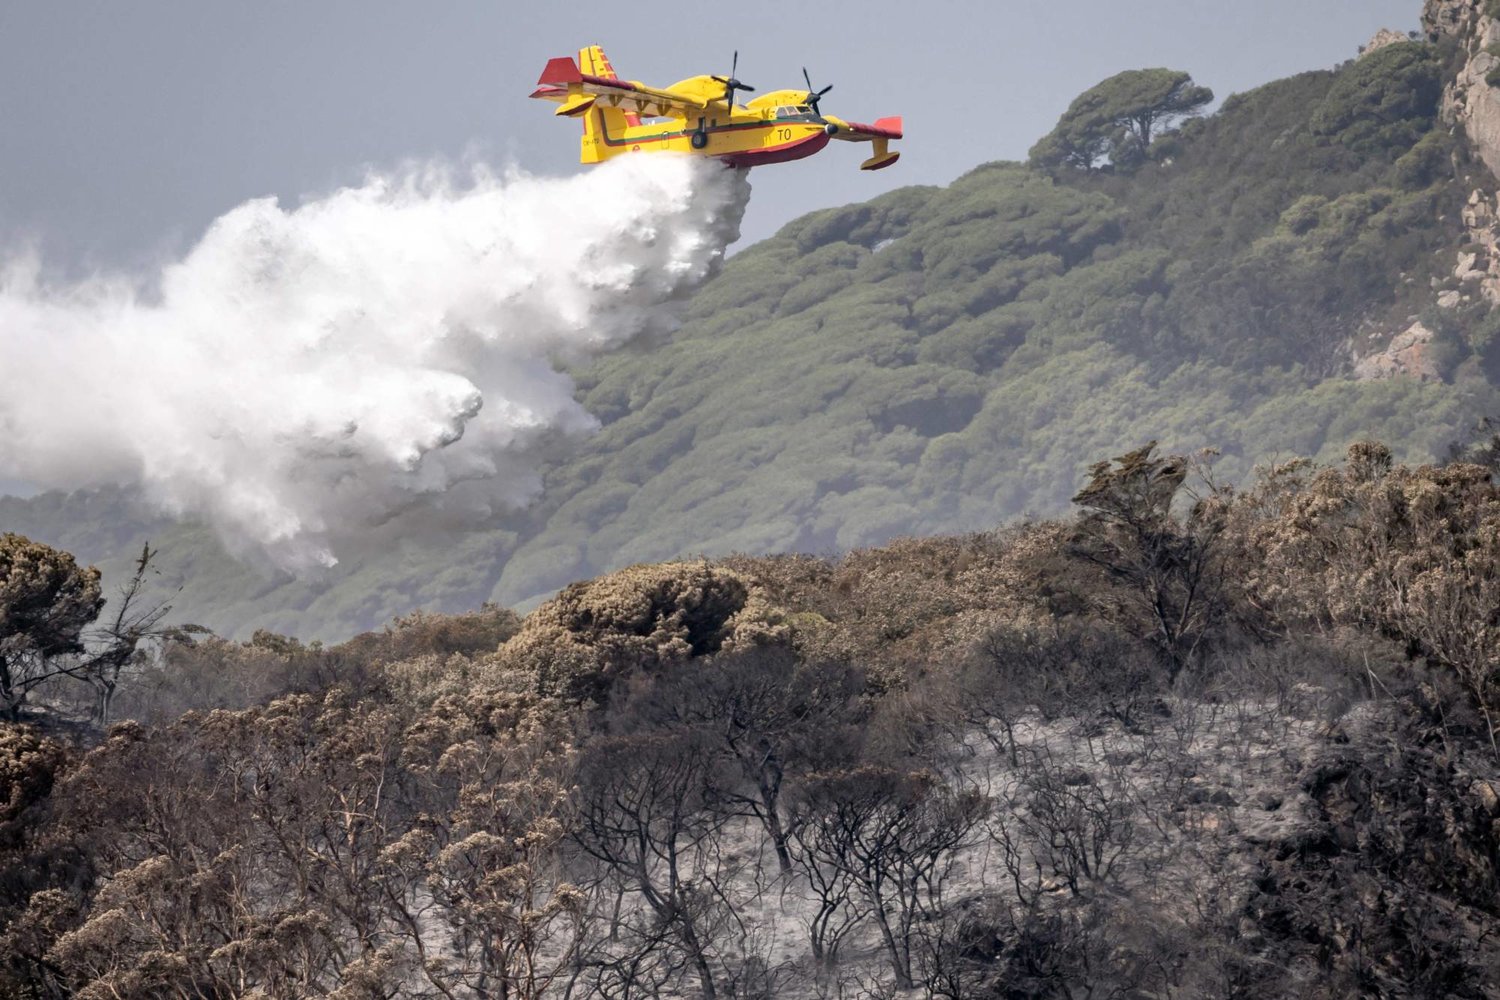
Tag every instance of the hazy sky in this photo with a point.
(126, 127)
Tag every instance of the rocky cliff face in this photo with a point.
(1479, 261)
(1470, 99)
(1471, 102)
(1442, 18)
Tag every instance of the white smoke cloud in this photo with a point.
(385, 352)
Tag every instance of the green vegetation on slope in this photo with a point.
(943, 359)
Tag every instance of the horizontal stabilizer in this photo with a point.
(884, 128)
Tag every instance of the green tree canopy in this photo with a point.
(1385, 102)
(1116, 120)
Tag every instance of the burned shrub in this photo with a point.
(1384, 890)
(425, 634)
(1143, 566)
(1409, 553)
(582, 642)
(1075, 669)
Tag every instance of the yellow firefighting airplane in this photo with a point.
(699, 116)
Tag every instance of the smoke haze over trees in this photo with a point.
(369, 362)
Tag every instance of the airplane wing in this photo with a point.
(577, 91)
(884, 128)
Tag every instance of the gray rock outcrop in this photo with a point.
(1478, 267)
(1409, 354)
(1383, 38)
(1446, 18)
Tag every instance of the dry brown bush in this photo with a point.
(1144, 564)
(594, 634)
(326, 845)
(213, 673)
(422, 633)
(1410, 553)
(29, 764)
(37, 858)
(46, 601)
(896, 609)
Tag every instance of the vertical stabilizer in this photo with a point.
(593, 62)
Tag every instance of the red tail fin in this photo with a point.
(560, 72)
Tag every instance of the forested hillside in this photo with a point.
(940, 360)
(1281, 277)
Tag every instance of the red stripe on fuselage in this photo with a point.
(784, 153)
(787, 151)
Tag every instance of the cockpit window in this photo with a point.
(803, 109)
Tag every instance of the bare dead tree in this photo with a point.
(120, 638)
(767, 714)
(643, 814)
(1058, 826)
(1084, 827)
(895, 836)
(839, 908)
(960, 949)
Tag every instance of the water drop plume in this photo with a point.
(387, 353)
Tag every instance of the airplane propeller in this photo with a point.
(730, 83)
(814, 96)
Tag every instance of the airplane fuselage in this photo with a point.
(742, 137)
(698, 116)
